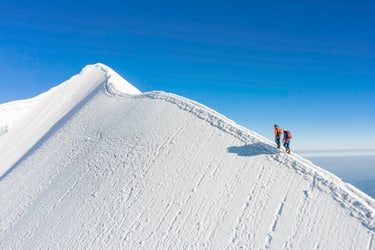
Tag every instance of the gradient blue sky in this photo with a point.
(308, 66)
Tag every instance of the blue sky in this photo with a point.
(308, 66)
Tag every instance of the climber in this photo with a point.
(278, 133)
(286, 140)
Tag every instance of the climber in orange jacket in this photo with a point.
(278, 132)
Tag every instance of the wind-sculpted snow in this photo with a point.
(32, 119)
(362, 205)
(159, 171)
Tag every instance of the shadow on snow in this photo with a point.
(258, 148)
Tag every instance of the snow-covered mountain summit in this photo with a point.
(23, 123)
(95, 163)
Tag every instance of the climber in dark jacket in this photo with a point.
(286, 140)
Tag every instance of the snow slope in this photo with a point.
(94, 163)
(23, 123)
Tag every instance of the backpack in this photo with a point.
(288, 134)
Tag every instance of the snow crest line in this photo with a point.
(50, 109)
(360, 204)
(115, 85)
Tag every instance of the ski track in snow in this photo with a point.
(305, 169)
(371, 244)
(274, 224)
(151, 175)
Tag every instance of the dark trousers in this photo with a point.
(286, 145)
(277, 140)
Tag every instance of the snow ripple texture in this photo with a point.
(159, 171)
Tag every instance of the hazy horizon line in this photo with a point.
(336, 152)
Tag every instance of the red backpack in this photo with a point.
(288, 134)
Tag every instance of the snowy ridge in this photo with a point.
(23, 123)
(115, 84)
(361, 205)
(113, 168)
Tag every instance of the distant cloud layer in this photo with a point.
(339, 152)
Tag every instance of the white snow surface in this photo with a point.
(23, 123)
(95, 164)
